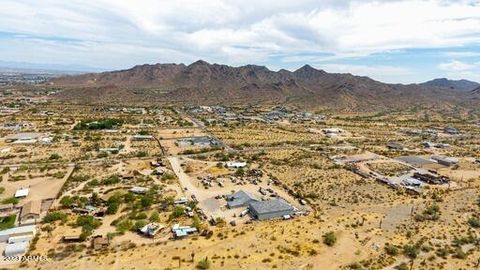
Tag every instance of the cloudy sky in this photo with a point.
(388, 40)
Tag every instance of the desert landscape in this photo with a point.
(225, 135)
(185, 187)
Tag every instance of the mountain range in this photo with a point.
(201, 83)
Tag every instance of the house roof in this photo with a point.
(16, 248)
(7, 206)
(31, 207)
(23, 192)
(18, 230)
(239, 198)
(138, 189)
(236, 164)
(270, 206)
(24, 136)
(396, 145)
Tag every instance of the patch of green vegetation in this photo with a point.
(391, 250)
(431, 213)
(411, 251)
(99, 124)
(7, 222)
(474, 222)
(55, 156)
(11, 200)
(203, 264)
(329, 239)
(177, 212)
(54, 216)
(88, 224)
(141, 154)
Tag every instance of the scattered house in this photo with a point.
(30, 213)
(236, 164)
(182, 200)
(157, 163)
(446, 161)
(72, 238)
(140, 137)
(89, 209)
(45, 140)
(332, 131)
(109, 149)
(255, 173)
(442, 145)
(182, 231)
(416, 161)
(138, 190)
(276, 208)
(158, 171)
(435, 145)
(451, 130)
(100, 243)
(412, 182)
(6, 207)
(240, 199)
(412, 131)
(23, 138)
(428, 144)
(198, 141)
(15, 125)
(151, 229)
(396, 146)
(430, 178)
(26, 232)
(16, 249)
(110, 130)
(22, 193)
(127, 176)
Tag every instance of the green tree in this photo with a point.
(154, 217)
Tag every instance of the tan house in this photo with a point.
(31, 212)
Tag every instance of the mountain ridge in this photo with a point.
(460, 85)
(205, 83)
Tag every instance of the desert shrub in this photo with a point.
(54, 216)
(203, 264)
(474, 222)
(329, 239)
(410, 251)
(391, 249)
(55, 156)
(11, 200)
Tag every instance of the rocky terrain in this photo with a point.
(201, 83)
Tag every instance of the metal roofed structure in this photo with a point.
(240, 199)
(15, 249)
(270, 209)
(17, 231)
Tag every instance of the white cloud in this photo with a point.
(232, 31)
(455, 65)
(459, 70)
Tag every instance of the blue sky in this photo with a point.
(392, 41)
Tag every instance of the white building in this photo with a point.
(22, 193)
(237, 164)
